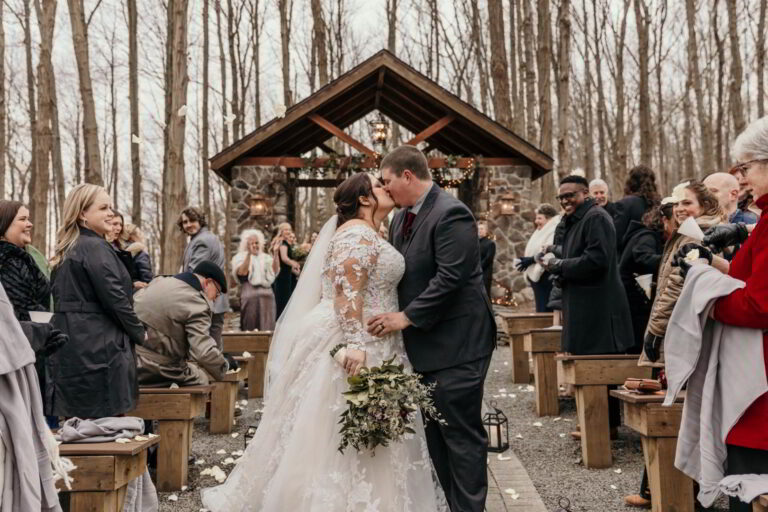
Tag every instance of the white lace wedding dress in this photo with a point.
(293, 462)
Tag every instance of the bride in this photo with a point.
(293, 461)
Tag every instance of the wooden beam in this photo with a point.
(327, 149)
(379, 85)
(433, 163)
(430, 130)
(338, 132)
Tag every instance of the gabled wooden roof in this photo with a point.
(384, 83)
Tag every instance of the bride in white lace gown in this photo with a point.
(293, 462)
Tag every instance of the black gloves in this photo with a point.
(652, 347)
(231, 361)
(43, 338)
(554, 266)
(725, 235)
(56, 339)
(681, 261)
(525, 262)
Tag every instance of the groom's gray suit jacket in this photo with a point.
(442, 291)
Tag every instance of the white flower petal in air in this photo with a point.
(182, 111)
(280, 110)
(135, 139)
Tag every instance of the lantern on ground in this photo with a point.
(497, 428)
(259, 206)
(379, 128)
(507, 204)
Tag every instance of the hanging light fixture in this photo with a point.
(507, 204)
(259, 206)
(379, 128)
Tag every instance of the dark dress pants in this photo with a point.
(459, 449)
(541, 290)
(743, 461)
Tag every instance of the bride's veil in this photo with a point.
(305, 297)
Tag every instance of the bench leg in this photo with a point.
(256, 375)
(223, 398)
(520, 369)
(173, 454)
(592, 407)
(545, 377)
(94, 501)
(671, 490)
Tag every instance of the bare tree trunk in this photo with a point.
(737, 108)
(3, 108)
(477, 36)
(563, 86)
(694, 81)
(92, 168)
(760, 57)
(319, 31)
(529, 72)
(619, 166)
(543, 68)
(77, 152)
(588, 136)
(32, 104)
(256, 42)
(643, 21)
(232, 35)
(687, 148)
(205, 128)
(502, 104)
(659, 51)
(174, 185)
(38, 188)
(601, 109)
(223, 73)
(391, 25)
(286, 16)
(518, 113)
(113, 111)
(720, 121)
(56, 160)
(133, 94)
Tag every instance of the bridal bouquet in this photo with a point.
(381, 404)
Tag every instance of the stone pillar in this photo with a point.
(511, 232)
(248, 181)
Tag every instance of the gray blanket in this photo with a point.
(101, 430)
(723, 366)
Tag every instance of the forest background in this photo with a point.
(137, 95)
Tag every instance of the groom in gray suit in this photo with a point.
(446, 318)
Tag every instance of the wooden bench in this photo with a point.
(103, 472)
(175, 411)
(223, 398)
(658, 426)
(518, 324)
(760, 504)
(543, 344)
(590, 377)
(257, 344)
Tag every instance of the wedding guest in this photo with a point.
(176, 311)
(546, 222)
(598, 189)
(596, 317)
(133, 240)
(725, 187)
(204, 246)
(487, 254)
(115, 239)
(640, 195)
(94, 375)
(285, 281)
(746, 200)
(252, 268)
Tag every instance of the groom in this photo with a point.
(446, 319)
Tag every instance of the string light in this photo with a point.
(508, 300)
(453, 182)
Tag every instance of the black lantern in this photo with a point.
(379, 131)
(507, 204)
(497, 428)
(259, 206)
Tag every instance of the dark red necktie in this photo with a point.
(409, 216)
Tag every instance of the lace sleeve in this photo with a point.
(354, 256)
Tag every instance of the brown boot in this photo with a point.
(635, 500)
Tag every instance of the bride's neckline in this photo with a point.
(347, 227)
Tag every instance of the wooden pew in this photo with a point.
(223, 398)
(760, 504)
(658, 426)
(257, 343)
(543, 344)
(175, 411)
(103, 472)
(518, 324)
(590, 376)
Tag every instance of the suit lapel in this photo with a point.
(429, 202)
(396, 234)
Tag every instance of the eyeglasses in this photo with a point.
(568, 196)
(218, 289)
(742, 167)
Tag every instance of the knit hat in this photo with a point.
(212, 271)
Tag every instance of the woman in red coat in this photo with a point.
(747, 442)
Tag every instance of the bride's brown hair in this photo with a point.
(348, 194)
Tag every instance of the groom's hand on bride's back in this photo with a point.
(385, 323)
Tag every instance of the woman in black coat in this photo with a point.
(94, 375)
(641, 195)
(643, 245)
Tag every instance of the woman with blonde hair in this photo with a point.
(133, 242)
(94, 375)
(253, 269)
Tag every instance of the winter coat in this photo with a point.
(141, 261)
(641, 256)
(625, 211)
(94, 375)
(595, 311)
(556, 295)
(205, 246)
(668, 287)
(24, 282)
(178, 320)
(487, 255)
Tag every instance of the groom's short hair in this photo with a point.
(407, 157)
